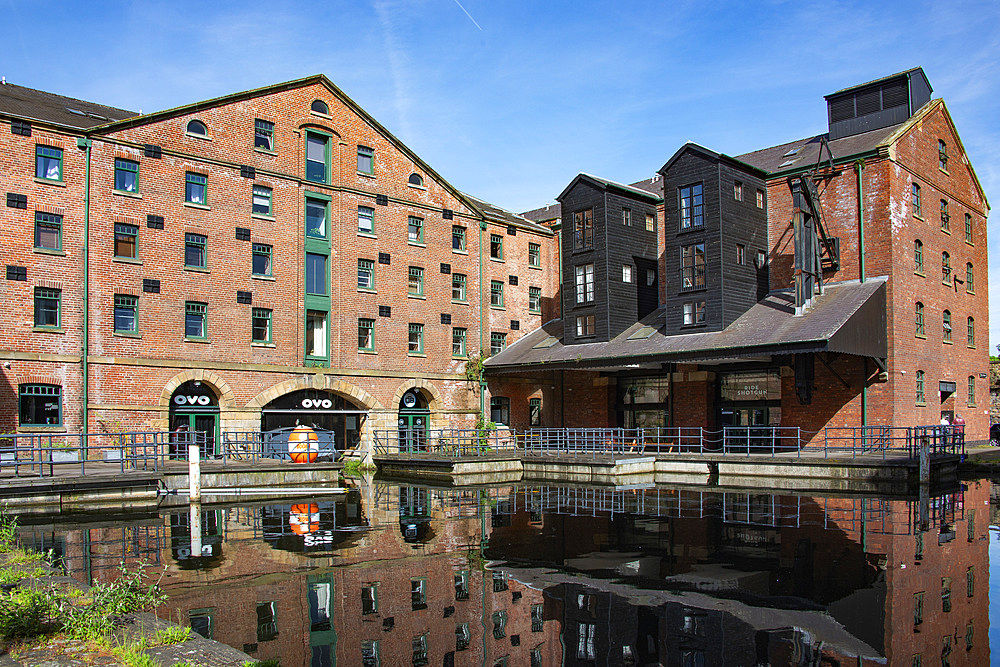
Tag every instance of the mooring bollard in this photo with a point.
(194, 472)
(195, 523)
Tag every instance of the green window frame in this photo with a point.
(970, 285)
(921, 396)
(535, 411)
(371, 655)
(369, 598)
(126, 240)
(317, 157)
(366, 274)
(496, 246)
(496, 293)
(458, 238)
(366, 160)
(48, 308)
(918, 256)
(48, 163)
(500, 414)
(946, 268)
(946, 594)
(970, 332)
(366, 334)
(415, 229)
(316, 334)
(260, 262)
(126, 314)
(458, 283)
(918, 206)
(317, 276)
(942, 155)
(534, 255)
(415, 283)
(317, 218)
(968, 229)
(48, 231)
(535, 300)
(946, 326)
(366, 220)
(970, 399)
(126, 175)
(195, 320)
(945, 218)
(39, 405)
(415, 340)
(458, 335)
(919, 311)
(263, 134)
(498, 342)
(260, 325)
(196, 188)
(261, 198)
(195, 251)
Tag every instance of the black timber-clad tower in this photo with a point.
(609, 248)
(715, 234)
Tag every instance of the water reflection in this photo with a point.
(522, 575)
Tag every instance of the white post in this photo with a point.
(194, 472)
(195, 515)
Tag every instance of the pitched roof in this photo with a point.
(692, 146)
(37, 105)
(856, 86)
(610, 185)
(804, 153)
(503, 216)
(550, 212)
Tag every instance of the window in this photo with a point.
(627, 273)
(415, 285)
(761, 261)
(500, 583)
(498, 342)
(945, 268)
(260, 325)
(585, 283)
(366, 274)
(537, 618)
(946, 594)
(462, 585)
(126, 320)
(583, 229)
(585, 649)
(263, 134)
(195, 314)
(48, 304)
(918, 256)
(416, 179)
(261, 261)
(195, 188)
(261, 200)
(693, 266)
(369, 599)
(457, 287)
(48, 231)
(738, 191)
(316, 215)
(741, 254)
(415, 230)
(416, 339)
(970, 332)
(970, 579)
(316, 274)
(918, 608)
(366, 160)
(194, 251)
(370, 654)
(692, 207)
(319, 106)
(920, 388)
(458, 342)
(694, 312)
(584, 325)
(534, 255)
(942, 156)
(627, 217)
(971, 393)
(945, 218)
(458, 238)
(126, 175)
(535, 411)
(918, 209)
(48, 162)
(969, 636)
(202, 621)
(125, 240)
(499, 414)
(496, 293)
(366, 220)
(317, 157)
(366, 334)
(316, 333)
(919, 332)
(197, 128)
(946, 651)
(496, 246)
(968, 229)
(946, 325)
(40, 405)
(534, 299)
(650, 222)
(760, 199)
(462, 636)
(419, 645)
(499, 624)
(970, 286)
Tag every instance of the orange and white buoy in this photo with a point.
(304, 518)
(303, 445)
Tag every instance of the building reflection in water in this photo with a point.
(391, 575)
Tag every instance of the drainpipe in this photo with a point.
(482, 380)
(86, 143)
(859, 168)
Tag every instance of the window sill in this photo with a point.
(946, 231)
(498, 260)
(262, 216)
(126, 334)
(944, 171)
(970, 347)
(416, 244)
(970, 292)
(920, 404)
(366, 175)
(200, 137)
(197, 269)
(492, 307)
(946, 342)
(946, 282)
(920, 336)
(692, 228)
(463, 357)
(49, 251)
(43, 428)
(368, 352)
(920, 217)
(534, 312)
(695, 325)
(920, 273)
(127, 260)
(463, 302)
(320, 114)
(459, 252)
(260, 343)
(417, 187)
(50, 181)
(689, 290)
(367, 235)
(200, 207)
(265, 151)
(416, 354)
(127, 193)
(367, 290)
(416, 296)
(55, 330)
(536, 268)
(197, 340)
(256, 277)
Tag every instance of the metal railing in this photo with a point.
(581, 442)
(252, 446)
(442, 442)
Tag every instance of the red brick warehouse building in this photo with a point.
(876, 315)
(243, 263)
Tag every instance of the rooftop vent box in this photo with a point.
(877, 104)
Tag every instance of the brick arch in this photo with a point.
(227, 398)
(434, 401)
(345, 389)
(318, 124)
(38, 379)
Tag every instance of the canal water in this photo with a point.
(391, 574)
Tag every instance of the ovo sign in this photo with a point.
(192, 400)
(317, 403)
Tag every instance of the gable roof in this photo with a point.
(605, 184)
(503, 216)
(38, 105)
(698, 148)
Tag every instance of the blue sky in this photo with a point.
(509, 100)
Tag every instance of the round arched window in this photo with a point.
(197, 128)
(319, 106)
(416, 179)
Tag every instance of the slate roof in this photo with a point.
(497, 214)
(550, 212)
(849, 317)
(652, 186)
(611, 185)
(38, 105)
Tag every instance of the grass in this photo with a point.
(175, 634)
(354, 468)
(273, 662)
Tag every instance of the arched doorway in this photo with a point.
(194, 408)
(332, 416)
(413, 417)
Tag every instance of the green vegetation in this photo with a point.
(355, 467)
(175, 634)
(263, 663)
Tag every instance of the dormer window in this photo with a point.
(197, 129)
(319, 106)
(416, 179)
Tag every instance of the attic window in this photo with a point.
(75, 111)
(416, 179)
(197, 128)
(319, 106)
(787, 163)
(792, 152)
(548, 342)
(643, 333)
